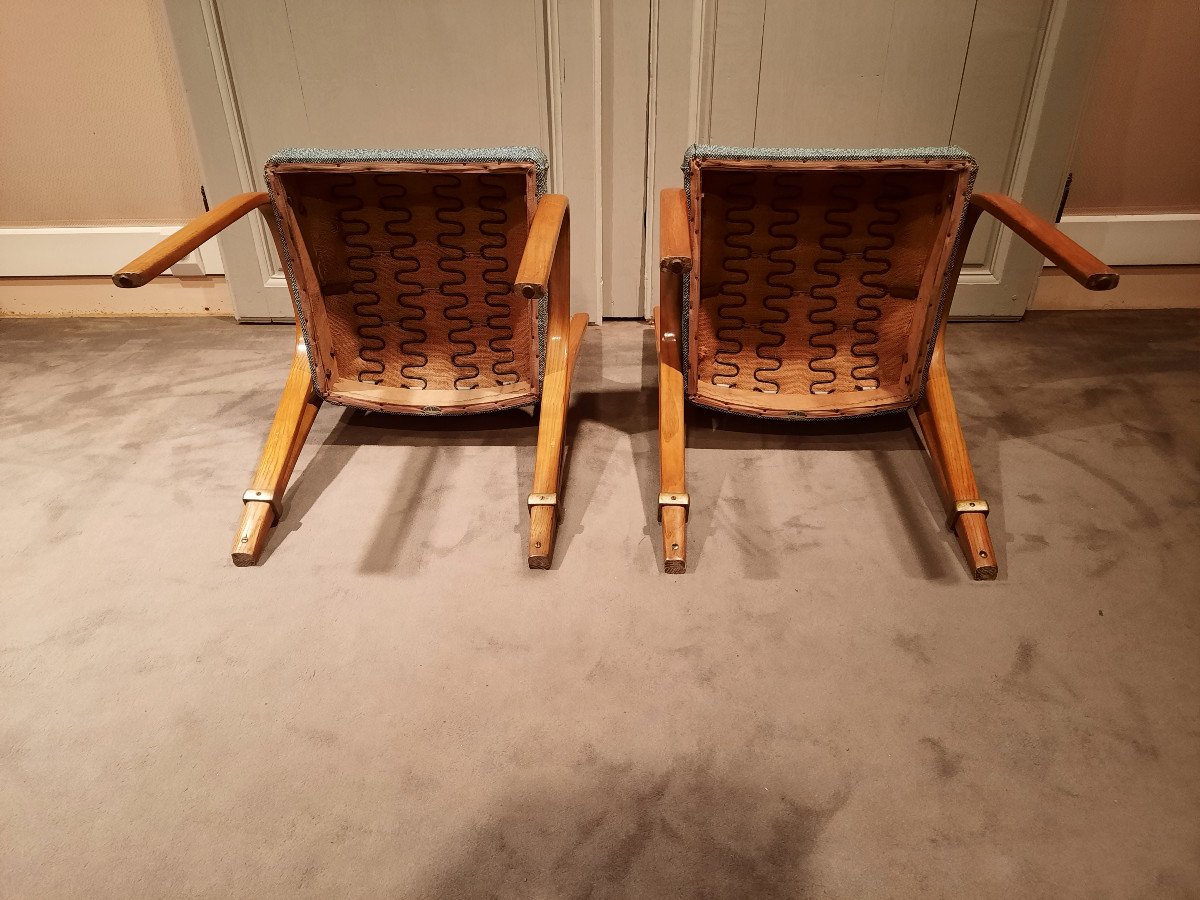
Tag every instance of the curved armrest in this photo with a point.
(674, 235)
(533, 276)
(171, 250)
(1049, 241)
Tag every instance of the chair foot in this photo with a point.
(674, 538)
(252, 532)
(542, 525)
(976, 543)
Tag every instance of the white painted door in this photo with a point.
(615, 90)
(1001, 78)
(267, 74)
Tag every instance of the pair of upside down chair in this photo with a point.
(796, 284)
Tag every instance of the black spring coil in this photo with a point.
(785, 203)
(499, 288)
(828, 266)
(370, 323)
(883, 229)
(454, 252)
(739, 226)
(413, 336)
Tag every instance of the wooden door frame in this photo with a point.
(685, 68)
(572, 124)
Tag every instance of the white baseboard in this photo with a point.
(98, 296)
(1141, 287)
(93, 250)
(1161, 239)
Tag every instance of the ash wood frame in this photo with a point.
(936, 416)
(544, 271)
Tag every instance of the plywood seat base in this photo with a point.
(800, 406)
(430, 401)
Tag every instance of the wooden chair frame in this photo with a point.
(544, 271)
(936, 415)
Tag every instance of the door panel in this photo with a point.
(471, 75)
(1001, 78)
(873, 75)
(376, 73)
(736, 61)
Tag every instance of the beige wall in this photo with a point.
(1137, 147)
(93, 128)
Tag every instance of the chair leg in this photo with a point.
(561, 352)
(293, 419)
(672, 497)
(937, 419)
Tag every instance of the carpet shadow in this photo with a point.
(597, 407)
(887, 438)
(601, 409)
(433, 441)
(684, 832)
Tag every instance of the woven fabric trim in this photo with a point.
(424, 154)
(301, 155)
(802, 154)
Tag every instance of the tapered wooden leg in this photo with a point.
(672, 497)
(937, 418)
(293, 419)
(675, 264)
(561, 351)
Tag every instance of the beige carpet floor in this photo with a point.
(391, 704)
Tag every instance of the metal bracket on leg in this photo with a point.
(674, 498)
(264, 497)
(543, 500)
(966, 506)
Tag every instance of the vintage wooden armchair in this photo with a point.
(811, 284)
(425, 282)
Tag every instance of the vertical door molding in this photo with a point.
(250, 266)
(550, 61)
(679, 110)
(574, 70)
(1003, 286)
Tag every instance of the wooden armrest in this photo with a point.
(674, 235)
(171, 250)
(1049, 241)
(533, 275)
